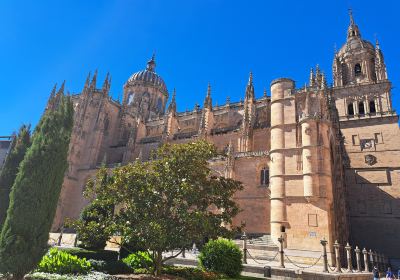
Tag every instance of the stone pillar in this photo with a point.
(358, 258)
(281, 252)
(279, 88)
(337, 254)
(349, 262)
(366, 260)
(325, 256)
(244, 238)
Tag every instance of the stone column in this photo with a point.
(366, 260)
(323, 243)
(358, 258)
(277, 166)
(337, 254)
(281, 252)
(349, 262)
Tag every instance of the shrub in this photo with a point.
(191, 273)
(56, 261)
(222, 256)
(138, 260)
(103, 255)
(90, 231)
(98, 265)
(117, 267)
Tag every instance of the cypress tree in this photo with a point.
(10, 168)
(36, 190)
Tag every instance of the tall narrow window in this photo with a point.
(264, 177)
(372, 108)
(357, 70)
(350, 109)
(361, 109)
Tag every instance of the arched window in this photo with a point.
(159, 104)
(372, 108)
(264, 177)
(350, 109)
(361, 109)
(357, 70)
(130, 98)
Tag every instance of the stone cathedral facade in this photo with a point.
(316, 162)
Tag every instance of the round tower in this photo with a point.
(280, 88)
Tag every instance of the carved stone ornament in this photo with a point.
(370, 159)
(367, 144)
(307, 131)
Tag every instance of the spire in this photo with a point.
(312, 78)
(323, 82)
(151, 64)
(353, 30)
(94, 81)
(87, 82)
(250, 88)
(106, 83)
(172, 105)
(208, 100)
(265, 92)
(351, 16)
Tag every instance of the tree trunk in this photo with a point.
(18, 276)
(158, 263)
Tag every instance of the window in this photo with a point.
(264, 177)
(130, 98)
(372, 108)
(159, 104)
(350, 109)
(357, 70)
(361, 109)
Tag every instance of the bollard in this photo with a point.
(267, 271)
(358, 258)
(183, 253)
(244, 238)
(337, 254)
(366, 261)
(281, 239)
(348, 254)
(323, 243)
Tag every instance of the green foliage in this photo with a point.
(103, 255)
(10, 168)
(222, 256)
(60, 262)
(117, 267)
(94, 275)
(35, 192)
(191, 273)
(98, 265)
(90, 231)
(138, 260)
(169, 202)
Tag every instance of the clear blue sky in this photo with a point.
(45, 42)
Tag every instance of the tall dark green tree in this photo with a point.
(36, 190)
(10, 168)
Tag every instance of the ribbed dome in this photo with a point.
(355, 44)
(148, 77)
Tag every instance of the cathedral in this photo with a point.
(316, 161)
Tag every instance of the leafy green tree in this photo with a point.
(168, 202)
(10, 168)
(90, 230)
(36, 189)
